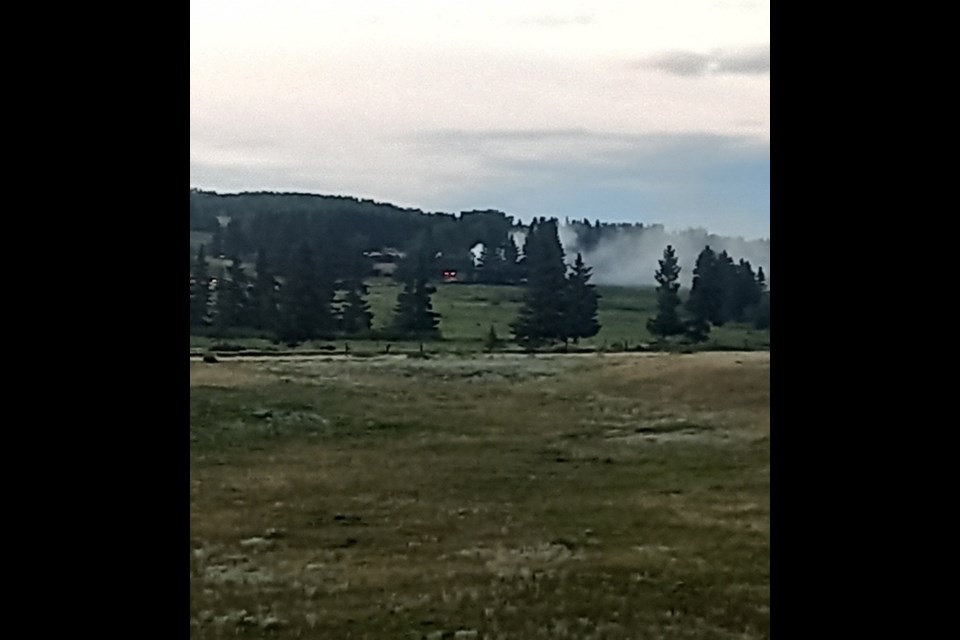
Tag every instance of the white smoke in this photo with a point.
(518, 237)
(475, 252)
(631, 256)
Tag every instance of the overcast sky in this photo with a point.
(636, 110)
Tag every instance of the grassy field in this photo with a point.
(468, 311)
(589, 496)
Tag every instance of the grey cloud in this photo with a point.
(680, 63)
(721, 182)
(752, 61)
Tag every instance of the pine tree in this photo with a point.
(541, 317)
(306, 299)
(199, 290)
(667, 322)
(414, 315)
(581, 303)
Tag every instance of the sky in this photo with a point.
(653, 111)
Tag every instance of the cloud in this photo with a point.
(680, 180)
(751, 61)
(719, 182)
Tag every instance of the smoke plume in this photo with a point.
(629, 256)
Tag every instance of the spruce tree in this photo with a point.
(667, 322)
(414, 315)
(199, 290)
(746, 291)
(704, 300)
(726, 279)
(355, 315)
(541, 317)
(705, 296)
(306, 299)
(761, 314)
(581, 303)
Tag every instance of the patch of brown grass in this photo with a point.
(496, 501)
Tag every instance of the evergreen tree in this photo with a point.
(233, 297)
(706, 295)
(581, 303)
(667, 322)
(726, 282)
(541, 317)
(761, 314)
(355, 314)
(703, 303)
(414, 315)
(746, 291)
(265, 297)
(199, 290)
(697, 329)
(305, 300)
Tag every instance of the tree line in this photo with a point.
(308, 299)
(278, 222)
(314, 294)
(722, 291)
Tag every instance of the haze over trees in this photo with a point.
(557, 307)
(295, 267)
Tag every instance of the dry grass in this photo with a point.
(506, 497)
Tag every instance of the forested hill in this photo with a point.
(377, 224)
(622, 253)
